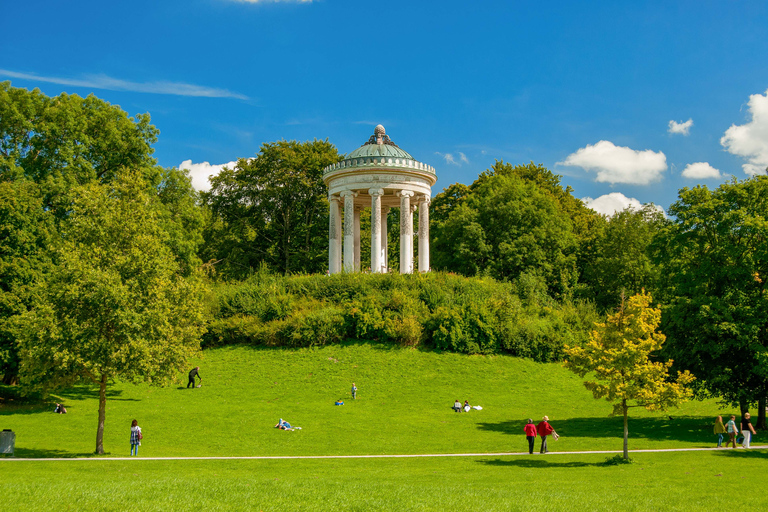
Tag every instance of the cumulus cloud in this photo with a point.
(609, 204)
(201, 172)
(681, 128)
(116, 84)
(750, 140)
(700, 170)
(618, 164)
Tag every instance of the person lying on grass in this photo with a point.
(284, 425)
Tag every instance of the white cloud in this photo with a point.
(451, 159)
(700, 170)
(681, 128)
(609, 204)
(116, 84)
(618, 164)
(750, 140)
(201, 172)
(448, 157)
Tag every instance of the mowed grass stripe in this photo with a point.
(657, 481)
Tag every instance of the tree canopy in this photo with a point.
(715, 259)
(273, 209)
(116, 305)
(619, 358)
(510, 221)
(48, 148)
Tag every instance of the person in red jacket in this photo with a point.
(544, 429)
(530, 434)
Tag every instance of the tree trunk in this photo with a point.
(102, 414)
(11, 379)
(744, 406)
(626, 430)
(761, 414)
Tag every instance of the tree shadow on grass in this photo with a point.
(540, 463)
(743, 454)
(33, 453)
(85, 392)
(682, 428)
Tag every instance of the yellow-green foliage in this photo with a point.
(435, 310)
(619, 355)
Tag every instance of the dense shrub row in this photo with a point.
(436, 310)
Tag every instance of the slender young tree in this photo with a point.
(116, 305)
(619, 356)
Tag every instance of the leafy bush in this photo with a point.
(437, 310)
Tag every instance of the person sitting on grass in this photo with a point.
(466, 406)
(339, 402)
(60, 409)
(457, 406)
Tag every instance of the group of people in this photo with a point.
(730, 428)
(459, 408)
(543, 430)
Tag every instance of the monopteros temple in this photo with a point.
(378, 175)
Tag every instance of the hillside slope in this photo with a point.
(404, 406)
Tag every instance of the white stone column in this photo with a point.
(384, 240)
(406, 232)
(376, 194)
(334, 236)
(349, 230)
(424, 233)
(357, 238)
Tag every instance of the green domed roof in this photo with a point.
(379, 150)
(380, 145)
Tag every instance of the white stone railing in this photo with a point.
(379, 161)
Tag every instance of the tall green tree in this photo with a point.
(620, 359)
(26, 234)
(115, 305)
(272, 208)
(66, 141)
(506, 225)
(715, 258)
(621, 260)
(50, 146)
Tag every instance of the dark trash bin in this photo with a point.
(7, 442)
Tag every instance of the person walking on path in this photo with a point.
(544, 429)
(747, 430)
(194, 372)
(731, 429)
(136, 437)
(354, 391)
(719, 431)
(530, 434)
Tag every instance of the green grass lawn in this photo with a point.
(403, 407)
(658, 481)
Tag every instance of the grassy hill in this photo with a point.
(403, 407)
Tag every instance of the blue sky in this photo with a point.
(600, 92)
